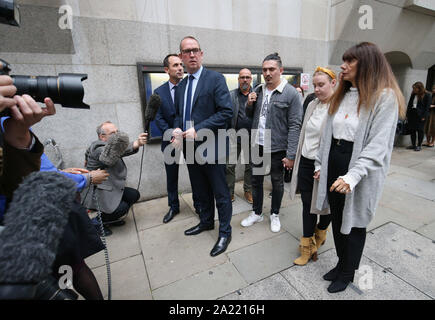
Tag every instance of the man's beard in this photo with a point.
(244, 86)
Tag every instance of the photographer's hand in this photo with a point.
(7, 89)
(24, 114)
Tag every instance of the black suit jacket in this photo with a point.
(166, 114)
(211, 108)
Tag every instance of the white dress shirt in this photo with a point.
(196, 76)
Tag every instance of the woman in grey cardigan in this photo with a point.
(355, 153)
(314, 235)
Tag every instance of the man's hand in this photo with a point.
(190, 134)
(25, 114)
(7, 90)
(98, 176)
(317, 175)
(141, 140)
(252, 97)
(177, 140)
(340, 186)
(75, 170)
(287, 163)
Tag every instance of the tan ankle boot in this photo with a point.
(308, 250)
(320, 236)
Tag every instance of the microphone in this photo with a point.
(34, 226)
(151, 111)
(116, 145)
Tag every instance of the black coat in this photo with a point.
(416, 115)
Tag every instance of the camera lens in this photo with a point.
(65, 89)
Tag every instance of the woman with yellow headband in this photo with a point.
(314, 235)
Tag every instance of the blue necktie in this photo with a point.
(188, 102)
(175, 92)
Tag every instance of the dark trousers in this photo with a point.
(277, 177)
(172, 186)
(209, 183)
(129, 197)
(231, 172)
(305, 185)
(414, 134)
(349, 247)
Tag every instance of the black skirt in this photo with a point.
(80, 239)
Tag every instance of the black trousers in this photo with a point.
(172, 186)
(129, 197)
(210, 185)
(414, 134)
(305, 185)
(277, 177)
(349, 247)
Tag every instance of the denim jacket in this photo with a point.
(284, 117)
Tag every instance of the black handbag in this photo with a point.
(403, 128)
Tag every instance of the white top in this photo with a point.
(345, 124)
(313, 131)
(263, 115)
(267, 94)
(346, 119)
(414, 103)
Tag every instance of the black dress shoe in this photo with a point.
(197, 229)
(114, 223)
(417, 148)
(410, 147)
(170, 215)
(341, 283)
(220, 246)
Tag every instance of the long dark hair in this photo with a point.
(420, 88)
(373, 75)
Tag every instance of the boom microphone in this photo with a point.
(116, 145)
(151, 110)
(34, 226)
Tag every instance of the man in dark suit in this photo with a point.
(165, 120)
(203, 102)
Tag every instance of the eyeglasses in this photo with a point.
(188, 51)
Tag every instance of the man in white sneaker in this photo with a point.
(277, 113)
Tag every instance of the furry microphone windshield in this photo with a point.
(34, 225)
(116, 145)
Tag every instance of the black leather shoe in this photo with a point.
(197, 230)
(417, 148)
(410, 147)
(170, 215)
(341, 283)
(220, 246)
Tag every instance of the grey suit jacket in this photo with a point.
(109, 193)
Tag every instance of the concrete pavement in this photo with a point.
(152, 260)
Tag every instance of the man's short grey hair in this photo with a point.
(99, 128)
(190, 37)
(274, 56)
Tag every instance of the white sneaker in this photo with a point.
(275, 225)
(251, 219)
